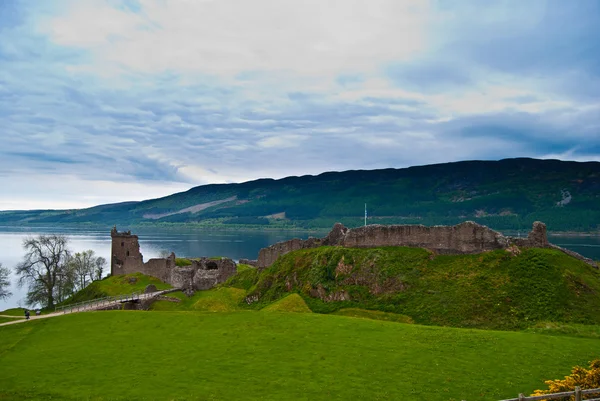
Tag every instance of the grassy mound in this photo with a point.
(291, 303)
(116, 285)
(218, 300)
(198, 356)
(13, 312)
(491, 290)
(375, 315)
(221, 299)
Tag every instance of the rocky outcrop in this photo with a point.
(465, 238)
(150, 288)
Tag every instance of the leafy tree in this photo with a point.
(44, 269)
(4, 282)
(582, 377)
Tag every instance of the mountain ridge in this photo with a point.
(504, 194)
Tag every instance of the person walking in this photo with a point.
(26, 314)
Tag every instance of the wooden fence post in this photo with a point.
(577, 393)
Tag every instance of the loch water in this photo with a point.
(194, 242)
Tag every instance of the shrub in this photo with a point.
(582, 377)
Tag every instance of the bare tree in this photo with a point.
(4, 282)
(82, 265)
(43, 268)
(164, 254)
(100, 265)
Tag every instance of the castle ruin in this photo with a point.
(465, 238)
(202, 274)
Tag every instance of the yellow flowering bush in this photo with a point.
(582, 377)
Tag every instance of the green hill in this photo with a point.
(131, 355)
(506, 194)
(116, 285)
(491, 290)
(290, 303)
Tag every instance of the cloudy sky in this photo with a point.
(113, 100)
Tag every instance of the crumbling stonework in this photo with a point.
(268, 255)
(248, 262)
(202, 274)
(464, 238)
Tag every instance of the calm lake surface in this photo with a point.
(193, 243)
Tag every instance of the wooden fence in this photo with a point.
(98, 303)
(578, 394)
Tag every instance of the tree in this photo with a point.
(4, 282)
(100, 265)
(83, 266)
(44, 269)
(164, 254)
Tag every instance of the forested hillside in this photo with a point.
(506, 194)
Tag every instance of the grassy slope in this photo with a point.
(13, 312)
(246, 355)
(116, 285)
(374, 314)
(8, 319)
(513, 193)
(491, 290)
(215, 300)
(290, 303)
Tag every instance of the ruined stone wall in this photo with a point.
(576, 255)
(268, 255)
(464, 238)
(203, 274)
(467, 237)
(249, 262)
(160, 268)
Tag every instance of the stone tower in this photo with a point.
(125, 253)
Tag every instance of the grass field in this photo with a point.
(19, 312)
(374, 314)
(7, 319)
(128, 355)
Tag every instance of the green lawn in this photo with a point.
(130, 355)
(13, 312)
(7, 319)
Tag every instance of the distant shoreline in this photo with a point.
(251, 228)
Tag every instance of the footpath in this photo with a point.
(91, 306)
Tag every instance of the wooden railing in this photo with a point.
(578, 394)
(99, 302)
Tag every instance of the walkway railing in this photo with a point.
(99, 302)
(578, 393)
